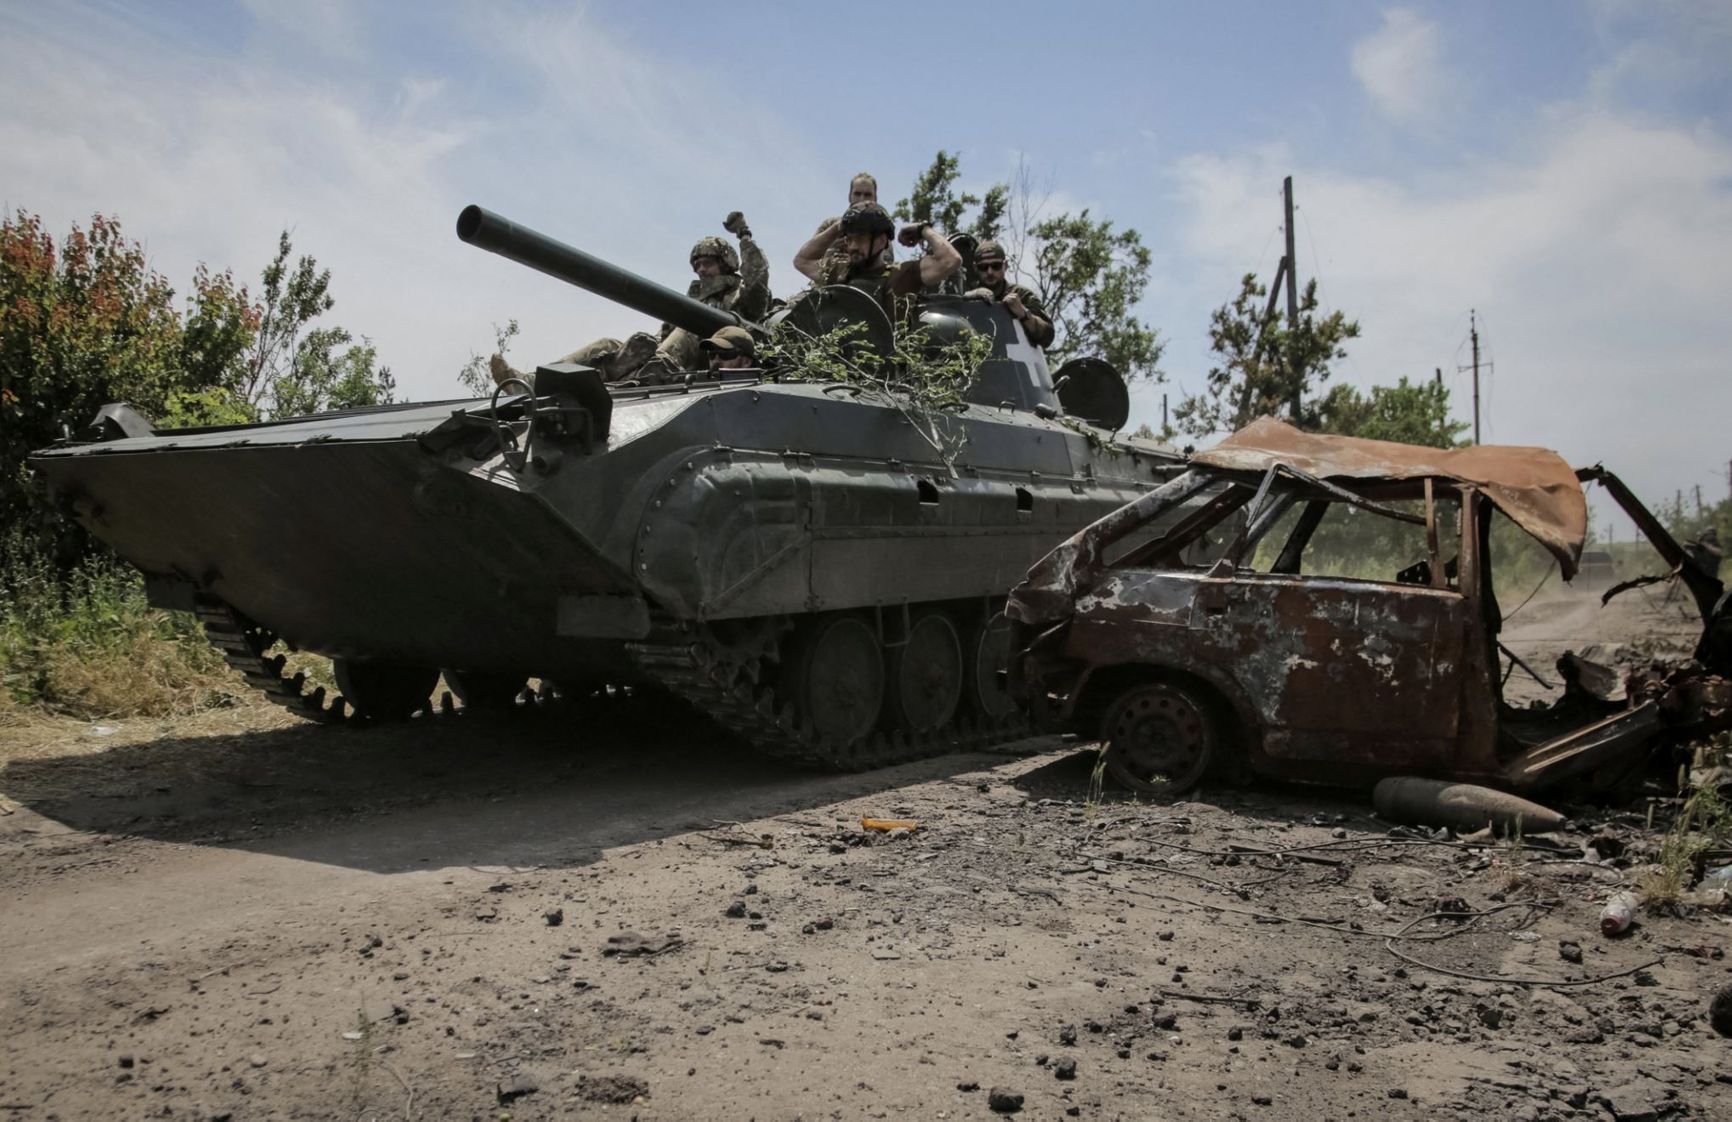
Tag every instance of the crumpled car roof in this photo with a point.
(1535, 487)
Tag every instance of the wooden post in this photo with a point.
(1292, 262)
(1473, 322)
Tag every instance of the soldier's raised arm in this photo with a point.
(941, 258)
(810, 259)
(754, 302)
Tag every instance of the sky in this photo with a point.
(1564, 170)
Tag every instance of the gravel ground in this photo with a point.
(620, 914)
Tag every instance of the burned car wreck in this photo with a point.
(1192, 631)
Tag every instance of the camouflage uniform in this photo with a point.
(746, 293)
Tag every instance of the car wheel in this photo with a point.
(1158, 738)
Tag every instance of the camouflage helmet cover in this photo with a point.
(867, 218)
(719, 249)
(989, 250)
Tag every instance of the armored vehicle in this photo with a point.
(786, 555)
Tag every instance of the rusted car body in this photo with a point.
(1187, 631)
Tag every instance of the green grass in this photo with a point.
(1704, 822)
(85, 643)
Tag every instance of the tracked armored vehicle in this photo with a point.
(787, 556)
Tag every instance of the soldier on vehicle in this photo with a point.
(865, 233)
(731, 348)
(736, 282)
(862, 189)
(1020, 302)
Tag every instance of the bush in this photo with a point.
(85, 643)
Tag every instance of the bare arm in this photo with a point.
(941, 257)
(810, 259)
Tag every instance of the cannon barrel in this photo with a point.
(481, 227)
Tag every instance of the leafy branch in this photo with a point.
(921, 378)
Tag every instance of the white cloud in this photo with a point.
(1595, 259)
(1399, 66)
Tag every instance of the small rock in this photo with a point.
(750, 890)
(126, 1061)
(1067, 1034)
(1065, 1069)
(1491, 1017)
(1235, 1033)
(736, 910)
(257, 1061)
(516, 1088)
(1397, 1092)
(554, 916)
(1640, 1101)
(1263, 1100)
(1570, 952)
(824, 924)
(968, 1085)
(1002, 1101)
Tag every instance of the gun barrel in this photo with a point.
(481, 227)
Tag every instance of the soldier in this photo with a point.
(731, 348)
(989, 262)
(735, 282)
(862, 189)
(865, 232)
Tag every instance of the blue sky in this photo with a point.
(1565, 168)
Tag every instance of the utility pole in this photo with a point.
(1164, 429)
(1473, 325)
(1291, 262)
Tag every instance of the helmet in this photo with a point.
(989, 250)
(867, 218)
(720, 250)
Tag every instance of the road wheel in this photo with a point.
(1159, 738)
(835, 677)
(924, 675)
(384, 691)
(988, 652)
(485, 691)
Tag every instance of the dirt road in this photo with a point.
(623, 916)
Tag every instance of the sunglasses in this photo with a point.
(985, 265)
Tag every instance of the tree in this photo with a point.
(934, 199)
(1090, 278)
(87, 322)
(1407, 412)
(295, 368)
(1266, 366)
(1089, 275)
